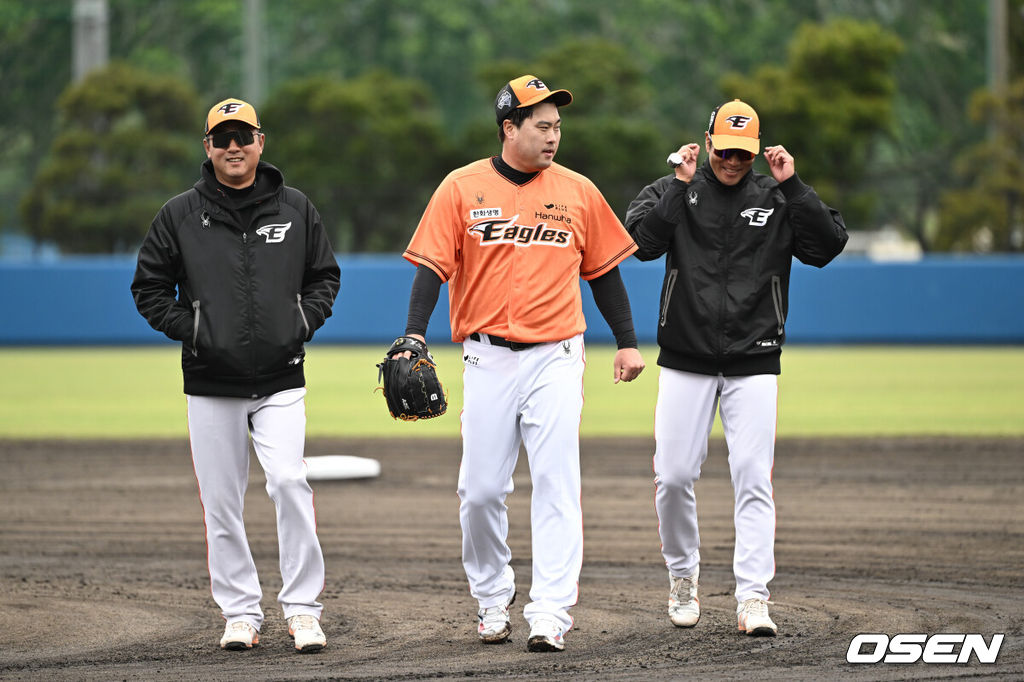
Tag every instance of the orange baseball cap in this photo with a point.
(734, 125)
(231, 109)
(526, 91)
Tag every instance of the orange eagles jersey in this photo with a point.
(513, 255)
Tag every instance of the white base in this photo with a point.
(332, 467)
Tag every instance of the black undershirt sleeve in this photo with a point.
(426, 287)
(613, 302)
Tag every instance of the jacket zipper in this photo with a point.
(248, 293)
(777, 300)
(195, 328)
(724, 293)
(670, 284)
(302, 314)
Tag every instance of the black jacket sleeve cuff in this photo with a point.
(793, 187)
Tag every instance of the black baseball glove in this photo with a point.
(411, 387)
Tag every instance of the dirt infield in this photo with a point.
(103, 575)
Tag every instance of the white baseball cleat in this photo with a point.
(239, 635)
(752, 617)
(683, 605)
(495, 625)
(305, 629)
(545, 635)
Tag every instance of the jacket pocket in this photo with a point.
(195, 328)
(780, 317)
(302, 314)
(670, 284)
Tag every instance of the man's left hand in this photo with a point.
(628, 364)
(780, 162)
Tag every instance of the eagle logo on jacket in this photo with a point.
(758, 217)
(274, 233)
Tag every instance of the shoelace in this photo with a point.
(494, 615)
(547, 627)
(756, 607)
(240, 626)
(305, 622)
(681, 586)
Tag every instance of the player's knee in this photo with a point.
(287, 485)
(752, 474)
(481, 497)
(221, 505)
(554, 486)
(222, 520)
(677, 479)
(753, 491)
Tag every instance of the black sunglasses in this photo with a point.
(740, 154)
(223, 140)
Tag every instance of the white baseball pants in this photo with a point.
(534, 397)
(219, 430)
(685, 413)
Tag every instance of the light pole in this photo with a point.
(90, 46)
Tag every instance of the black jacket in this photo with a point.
(725, 296)
(248, 296)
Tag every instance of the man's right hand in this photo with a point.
(689, 153)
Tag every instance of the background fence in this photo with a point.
(936, 300)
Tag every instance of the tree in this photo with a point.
(677, 50)
(944, 62)
(987, 212)
(128, 140)
(612, 136)
(367, 151)
(35, 66)
(828, 105)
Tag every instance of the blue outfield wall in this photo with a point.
(945, 300)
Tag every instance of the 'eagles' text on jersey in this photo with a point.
(513, 255)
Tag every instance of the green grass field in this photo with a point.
(848, 391)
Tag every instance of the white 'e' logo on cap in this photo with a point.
(738, 121)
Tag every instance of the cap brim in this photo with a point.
(560, 97)
(736, 142)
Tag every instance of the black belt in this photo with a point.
(504, 343)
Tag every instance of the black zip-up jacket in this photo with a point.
(729, 251)
(242, 299)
